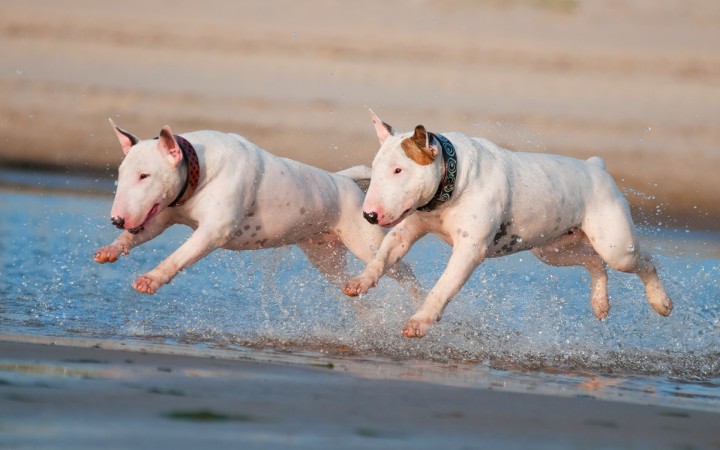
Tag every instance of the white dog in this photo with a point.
(487, 202)
(235, 196)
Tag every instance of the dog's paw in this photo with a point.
(601, 307)
(416, 327)
(108, 254)
(658, 298)
(662, 305)
(146, 284)
(358, 285)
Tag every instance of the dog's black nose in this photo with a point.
(118, 222)
(371, 217)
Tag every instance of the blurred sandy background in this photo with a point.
(635, 81)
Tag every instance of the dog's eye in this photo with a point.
(398, 170)
(144, 175)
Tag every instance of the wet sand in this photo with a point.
(636, 82)
(83, 393)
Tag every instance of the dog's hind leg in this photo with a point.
(328, 257)
(574, 249)
(404, 275)
(611, 232)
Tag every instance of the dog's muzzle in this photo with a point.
(371, 217)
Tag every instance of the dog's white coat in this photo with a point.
(567, 211)
(246, 199)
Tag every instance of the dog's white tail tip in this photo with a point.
(356, 173)
(598, 161)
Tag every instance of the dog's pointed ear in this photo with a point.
(382, 129)
(418, 148)
(127, 139)
(169, 146)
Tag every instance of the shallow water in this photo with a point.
(517, 319)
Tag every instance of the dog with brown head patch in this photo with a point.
(392, 198)
(486, 202)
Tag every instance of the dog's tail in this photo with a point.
(597, 161)
(356, 173)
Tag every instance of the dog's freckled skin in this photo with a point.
(500, 234)
(230, 165)
(492, 186)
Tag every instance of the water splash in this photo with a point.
(513, 313)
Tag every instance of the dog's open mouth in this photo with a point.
(153, 211)
(398, 220)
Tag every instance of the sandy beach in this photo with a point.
(59, 393)
(636, 82)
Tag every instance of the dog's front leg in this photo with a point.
(126, 241)
(394, 246)
(199, 245)
(465, 258)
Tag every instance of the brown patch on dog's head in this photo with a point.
(417, 147)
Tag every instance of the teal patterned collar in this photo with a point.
(447, 185)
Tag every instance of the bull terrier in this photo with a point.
(235, 196)
(487, 202)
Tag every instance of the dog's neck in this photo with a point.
(192, 166)
(447, 181)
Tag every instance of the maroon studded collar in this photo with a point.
(193, 171)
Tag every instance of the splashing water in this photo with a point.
(513, 313)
